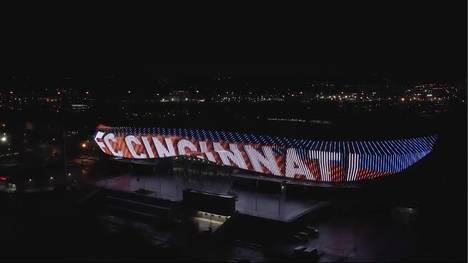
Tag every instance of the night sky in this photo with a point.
(417, 41)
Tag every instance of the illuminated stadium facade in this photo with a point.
(313, 160)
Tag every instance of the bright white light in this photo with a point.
(3, 139)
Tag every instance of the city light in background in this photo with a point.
(353, 150)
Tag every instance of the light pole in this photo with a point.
(283, 189)
(256, 197)
(211, 218)
(65, 158)
(160, 188)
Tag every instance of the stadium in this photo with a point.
(302, 159)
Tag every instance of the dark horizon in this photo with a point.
(142, 77)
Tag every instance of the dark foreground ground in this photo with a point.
(64, 225)
(53, 226)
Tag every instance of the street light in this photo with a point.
(3, 138)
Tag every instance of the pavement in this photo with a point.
(275, 206)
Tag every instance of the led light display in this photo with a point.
(315, 160)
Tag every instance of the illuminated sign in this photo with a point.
(321, 161)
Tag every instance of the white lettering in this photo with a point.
(227, 156)
(163, 151)
(183, 144)
(324, 159)
(147, 145)
(256, 158)
(101, 145)
(204, 149)
(295, 165)
(111, 137)
(130, 140)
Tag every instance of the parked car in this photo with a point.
(304, 235)
(253, 245)
(310, 253)
(313, 232)
(298, 237)
(298, 250)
